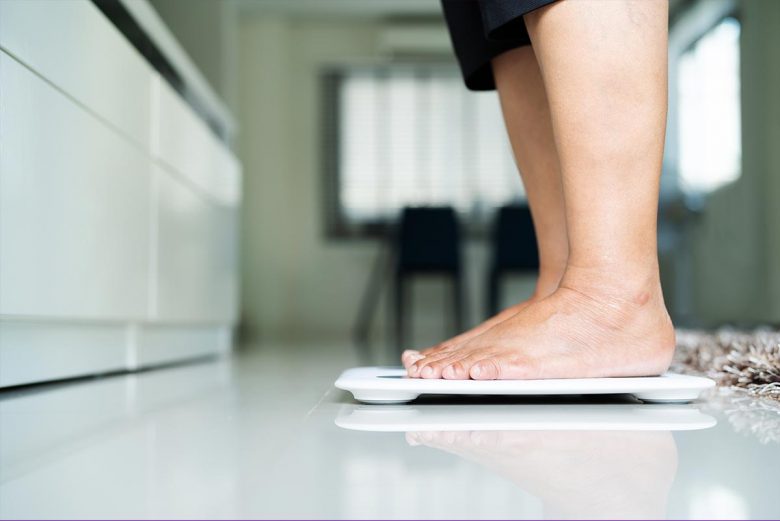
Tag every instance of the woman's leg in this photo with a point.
(527, 117)
(604, 68)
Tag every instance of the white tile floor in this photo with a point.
(256, 436)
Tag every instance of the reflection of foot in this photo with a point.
(577, 474)
(586, 328)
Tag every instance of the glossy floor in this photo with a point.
(266, 435)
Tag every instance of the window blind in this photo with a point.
(415, 136)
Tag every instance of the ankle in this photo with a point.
(548, 281)
(623, 284)
(619, 302)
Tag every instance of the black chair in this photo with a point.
(514, 250)
(427, 242)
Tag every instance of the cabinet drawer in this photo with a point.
(165, 344)
(36, 352)
(75, 205)
(196, 254)
(75, 47)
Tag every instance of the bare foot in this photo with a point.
(410, 356)
(549, 278)
(590, 327)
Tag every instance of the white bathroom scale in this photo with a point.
(387, 385)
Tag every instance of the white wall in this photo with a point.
(737, 243)
(296, 282)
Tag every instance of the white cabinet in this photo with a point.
(72, 45)
(118, 205)
(165, 344)
(184, 143)
(196, 254)
(75, 208)
(36, 351)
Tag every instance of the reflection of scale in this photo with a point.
(524, 417)
(390, 385)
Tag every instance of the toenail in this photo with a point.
(448, 371)
(413, 369)
(427, 371)
(476, 370)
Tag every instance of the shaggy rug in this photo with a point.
(748, 362)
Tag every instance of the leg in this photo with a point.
(528, 122)
(527, 117)
(604, 68)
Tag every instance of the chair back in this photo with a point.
(428, 239)
(514, 240)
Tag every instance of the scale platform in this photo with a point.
(388, 385)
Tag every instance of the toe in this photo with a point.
(422, 368)
(455, 371)
(432, 369)
(409, 357)
(498, 367)
(487, 369)
(432, 366)
(458, 365)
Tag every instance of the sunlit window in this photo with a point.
(709, 110)
(416, 136)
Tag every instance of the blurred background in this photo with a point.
(218, 174)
